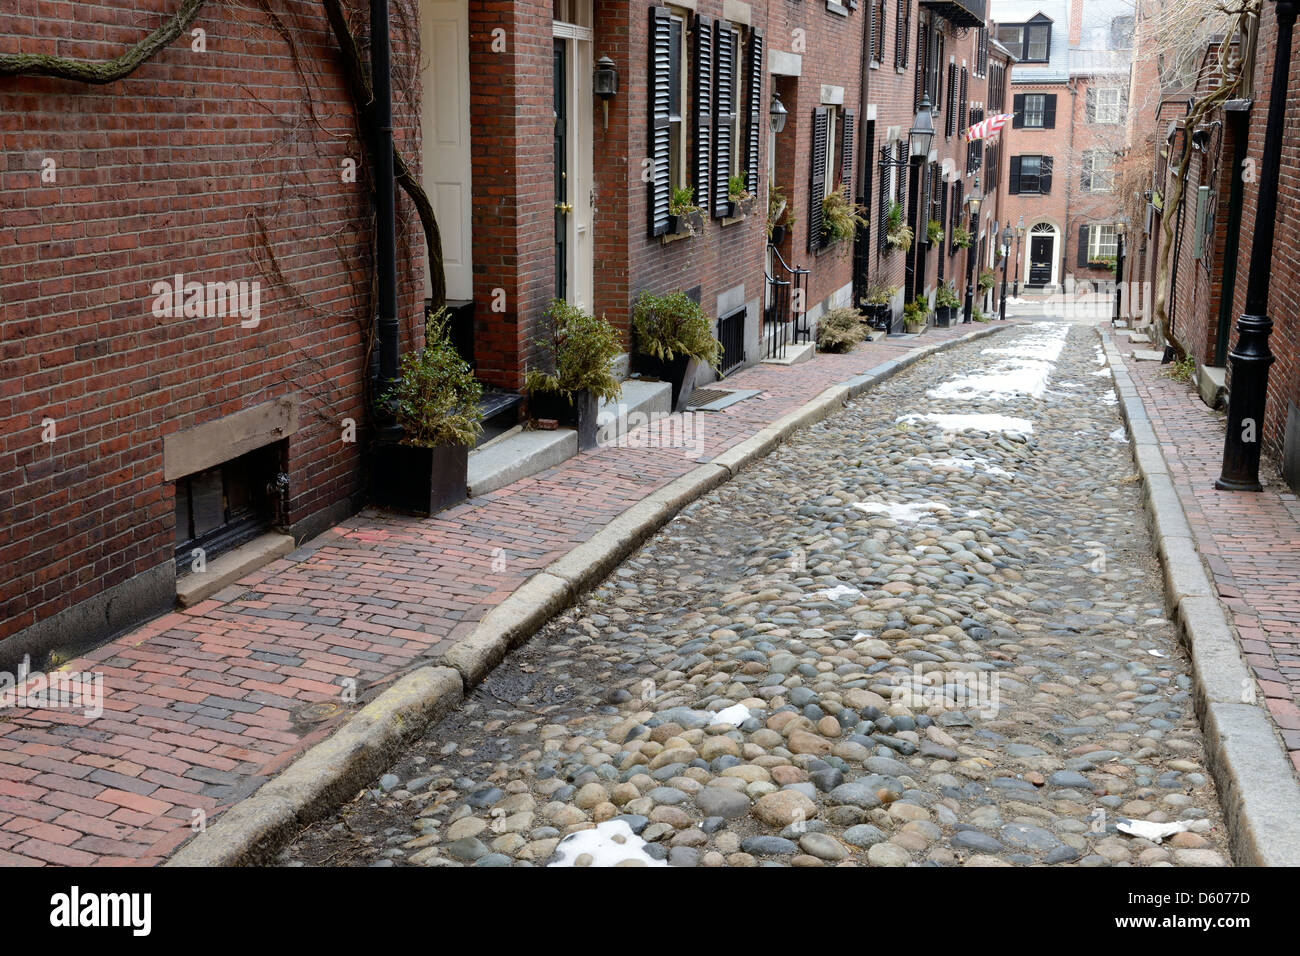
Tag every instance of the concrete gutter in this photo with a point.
(334, 770)
(1257, 787)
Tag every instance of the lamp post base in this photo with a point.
(1246, 399)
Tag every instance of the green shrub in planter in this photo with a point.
(841, 217)
(987, 280)
(934, 232)
(839, 330)
(915, 314)
(961, 238)
(435, 403)
(577, 348)
(946, 304)
(672, 337)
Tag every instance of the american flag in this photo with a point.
(989, 128)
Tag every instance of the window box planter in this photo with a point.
(686, 224)
(579, 414)
(419, 480)
(778, 236)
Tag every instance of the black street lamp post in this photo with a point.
(1252, 357)
(973, 203)
(1006, 258)
(1119, 269)
(1020, 234)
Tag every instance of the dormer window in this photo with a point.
(1031, 42)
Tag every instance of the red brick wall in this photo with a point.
(196, 164)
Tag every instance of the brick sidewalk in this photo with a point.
(202, 706)
(1250, 542)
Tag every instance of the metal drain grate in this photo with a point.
(716, 399)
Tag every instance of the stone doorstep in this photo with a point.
(228, 568)
(1212, 383)
(1148, 355)
(1136, 337)
(523, 453)
(794, 354)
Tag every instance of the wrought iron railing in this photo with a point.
(796, 280)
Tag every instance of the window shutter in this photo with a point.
(754, 95)
(885, 199)
(1085, 178)
(950, 108)
(1090, 105)
(1018, 107)
(962, 105)
(1083, 247)
(723, 116)
(703, 105)
(877, 30)
(901, 29)
(922, 66)
(1049, 111)
(1045, 177)
(817, 182)
(846, 152)
(660, 134)
(1014, 186)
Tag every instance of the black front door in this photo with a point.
(561, 165)
(1040, 260)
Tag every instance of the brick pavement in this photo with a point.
(1250, 542)
(202, 706)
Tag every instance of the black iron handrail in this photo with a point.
(798, 280)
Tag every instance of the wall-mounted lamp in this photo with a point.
(921, 135)
(777, 114)
(605, 84)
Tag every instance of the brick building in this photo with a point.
(138, 425)
(1071, 93)
(1211, 227)
(943, 52)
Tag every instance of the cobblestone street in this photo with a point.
(928, 630)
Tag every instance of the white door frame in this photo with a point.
(1056, 251)
(580, 140)
(446, 163)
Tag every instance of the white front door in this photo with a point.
(444, 124)
(575, 143)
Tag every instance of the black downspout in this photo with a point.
(387, 328)
(1231, 240)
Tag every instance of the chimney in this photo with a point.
(1076, 23)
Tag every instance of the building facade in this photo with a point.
(1071, 90)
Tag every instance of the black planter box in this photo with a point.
(677, 373)
(778, 235)
(944, 315)
(418, 480)
(879, 315)
(579, 414)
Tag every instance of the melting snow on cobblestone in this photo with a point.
(980, 422)
(1021, 369)
(1119, 436)
(902, 511)
(976, 463)
(608, 844)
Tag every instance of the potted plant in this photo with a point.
(946, 304)
(780, 219)
(934, 232)
(915, 314)
(961, 237)
(742, 200)
(435, 403)
(987, 280)
(877, 302)
(841, 217)
(839, 330)
(577, 349)
(684, 217)
(897, 235)
(672, 336)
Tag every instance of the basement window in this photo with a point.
(222, 507)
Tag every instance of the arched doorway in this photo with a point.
(1042, 255)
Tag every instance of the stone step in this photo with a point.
(642, 401)
(518, 456)
(620, 365)
(1135, 337)
(230, 567)
(1148, 355)
(794, 354)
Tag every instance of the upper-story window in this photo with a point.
(1106, 106)
(1035, 107)
(1031, 42)
(1121, 33)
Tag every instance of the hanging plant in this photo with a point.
(961, 238)
(987, 280)
(934, 232)
(841, 217)
(898, 235)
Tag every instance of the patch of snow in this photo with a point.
(1069, 385)
(1023, 369)
(976, 463)
(1109, 398)
(608, 843)
(1119, 436)
(839, 591)
(902, 512)
(1104, 371)
(1156, 832)
(977, 422)
(735, 715)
